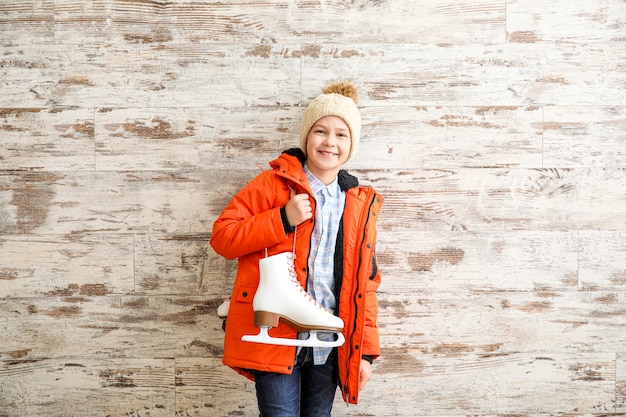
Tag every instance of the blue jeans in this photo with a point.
(308, 392)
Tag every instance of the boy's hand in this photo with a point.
(298, 209)
(365, 373)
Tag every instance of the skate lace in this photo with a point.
(291, 268)
(294, 277)
(294, 280)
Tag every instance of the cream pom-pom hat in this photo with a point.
(337, 99)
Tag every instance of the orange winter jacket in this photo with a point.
(251, 223)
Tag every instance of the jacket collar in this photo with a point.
(345, 180)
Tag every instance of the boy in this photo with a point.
(309, 198)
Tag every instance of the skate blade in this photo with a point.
(264, 338)
(269, 320)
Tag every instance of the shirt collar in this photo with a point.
(318, 186)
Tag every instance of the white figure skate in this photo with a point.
(281, 297)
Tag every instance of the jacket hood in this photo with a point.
(345, 180)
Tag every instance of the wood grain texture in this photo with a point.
(450, 136)
(575, 21)
(502, 199)
(204, 389)
(193, 138)
(494, 129)
(112, 75)
(584, 136)
(77, 202)
(585, 383)
(47, 139)
(621, 383)
(518, 74)
(90, 387)
(69, 265)
(244, 21)
(60, 326)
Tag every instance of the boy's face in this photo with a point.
(328, 147)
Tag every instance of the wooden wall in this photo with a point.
(496, 129)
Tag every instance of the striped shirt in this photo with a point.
(330, 202)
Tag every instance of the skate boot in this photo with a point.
(222, 310)
(280, 297)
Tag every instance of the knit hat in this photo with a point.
(338, 99)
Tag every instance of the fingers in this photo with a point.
(365, 374)
(303, 203)
(304, 206)
(298, 209)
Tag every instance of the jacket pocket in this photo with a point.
(245, 294)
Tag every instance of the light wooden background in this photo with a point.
(496, 129)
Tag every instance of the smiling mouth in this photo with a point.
(326, 153)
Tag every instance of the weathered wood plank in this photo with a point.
(574, 21)
(242, 21)
(449, 137)
(467, 22)
(489, 75)
(499, 324)
(112, 264)
(26, 21)
(206, 388)
(414, 261)
(501, 199)
(47, 139)
(484, 75)
(72, 202)
(87, 387)
(84, 22)
(620, 386)
(181, 265)
(543, 383)
(74, 265)
(403, 22)
(584, 136)
(602, 263)
(110, 327)
(150, 76)
(503, 261)
(191, 138)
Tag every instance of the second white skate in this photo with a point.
(280, 297)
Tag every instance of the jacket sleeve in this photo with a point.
(250, 222)
(371, 339)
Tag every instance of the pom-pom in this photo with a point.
(345, 88)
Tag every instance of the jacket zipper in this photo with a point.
(355, 302)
